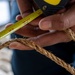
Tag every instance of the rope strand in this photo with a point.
(42, 51)
(45, 52)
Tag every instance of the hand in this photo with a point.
(55, 22)
(32, 29)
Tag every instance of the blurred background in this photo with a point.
(4, 12)
(5, 53)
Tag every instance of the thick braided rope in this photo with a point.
(45, 52)
(71, 34)
(42, 51)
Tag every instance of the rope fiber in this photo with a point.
(41, 50)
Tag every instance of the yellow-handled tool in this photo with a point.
(48, 7)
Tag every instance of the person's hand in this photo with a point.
(31, 30)
(57, 22)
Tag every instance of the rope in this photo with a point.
(45, 52)
(71, 34)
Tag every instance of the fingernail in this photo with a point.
(45, 25)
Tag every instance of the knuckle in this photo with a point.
(64, 23)
(61, 25)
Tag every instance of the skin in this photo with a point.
(38, 30)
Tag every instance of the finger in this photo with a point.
(19, 46)
(43, 40)
(34, 22)
(30, 31)
(25, 7)
(72, 1)
(59, 21)
(9, 24)
(48, 39)
(18, 17)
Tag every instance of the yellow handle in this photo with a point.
(53, 2)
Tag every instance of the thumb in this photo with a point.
(59, 21)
